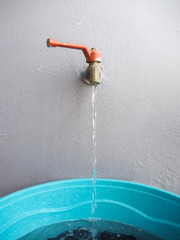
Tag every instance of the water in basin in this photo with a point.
(90, 229)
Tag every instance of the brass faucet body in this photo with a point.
(92, 73)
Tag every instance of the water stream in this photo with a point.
(94, 140)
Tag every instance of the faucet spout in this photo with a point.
(92, 73)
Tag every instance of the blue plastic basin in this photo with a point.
(142, 206)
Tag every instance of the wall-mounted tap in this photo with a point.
(92, 73)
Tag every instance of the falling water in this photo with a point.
(94, 138)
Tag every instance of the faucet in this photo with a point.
(92, 73)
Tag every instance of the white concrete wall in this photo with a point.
(45, 108)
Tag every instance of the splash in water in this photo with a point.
(94, 138)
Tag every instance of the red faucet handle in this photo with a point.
(90, 55)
